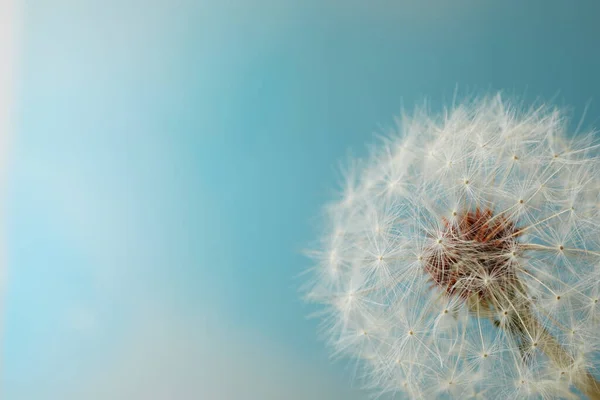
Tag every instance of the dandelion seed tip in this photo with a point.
(410, 333)
(515, 157)
(485, 355)
(466, 181)
(445, 311)
(557, 297)
(521, 201)
(561, 247)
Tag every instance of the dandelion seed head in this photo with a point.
(466, 252)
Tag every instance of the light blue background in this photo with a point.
(171, 158)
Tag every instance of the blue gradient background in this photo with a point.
(171, 157)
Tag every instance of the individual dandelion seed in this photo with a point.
(463, 257)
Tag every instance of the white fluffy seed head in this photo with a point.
(463, 258)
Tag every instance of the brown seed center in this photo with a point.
(476, 256)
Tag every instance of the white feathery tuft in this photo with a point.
(462, 258)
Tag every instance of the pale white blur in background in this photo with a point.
(8, 29)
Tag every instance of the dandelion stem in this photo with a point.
(582, 378)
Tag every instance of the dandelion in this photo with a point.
(462, 258)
